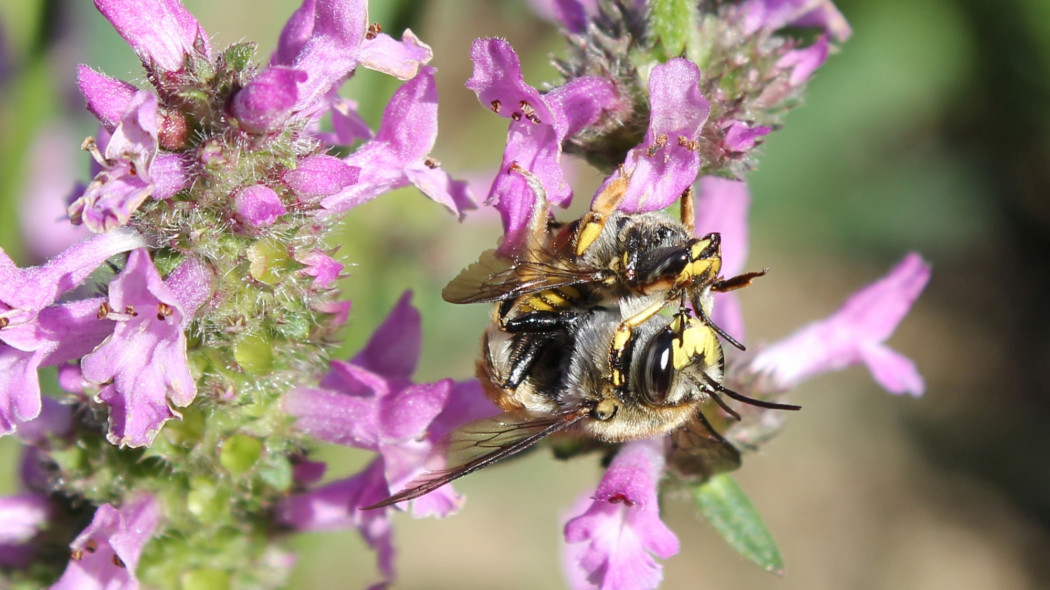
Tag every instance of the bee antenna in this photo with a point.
(745, 399)
(703, 316)
(718, 400)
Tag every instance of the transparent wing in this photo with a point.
(495, 278)
(699, 452)
(482, 443)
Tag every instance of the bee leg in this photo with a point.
(604, 205)
(523, 355)
(738, 282)
(620, 353)
(688, 209)
(539, 322)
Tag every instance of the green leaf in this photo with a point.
(725, 506)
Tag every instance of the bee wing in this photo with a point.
(482, 443)
(495, 278)
(698, 451)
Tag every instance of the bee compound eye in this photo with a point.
(658, 368)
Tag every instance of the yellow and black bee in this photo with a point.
(578, 344)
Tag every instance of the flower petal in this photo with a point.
(107, 552)
(667, 161)
(853, 334)
(143, 364)
(393, 351)
(612, 544)
(107, 98)
(161, 32)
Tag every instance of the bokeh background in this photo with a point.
(929, 131)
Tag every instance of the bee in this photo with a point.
(578, 344)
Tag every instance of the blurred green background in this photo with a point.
(929, 131)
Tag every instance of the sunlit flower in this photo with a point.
(667, 161)
(611, 545)
(143, 365)
(539, 126)
(854, 334)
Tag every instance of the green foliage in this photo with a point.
(725, 506)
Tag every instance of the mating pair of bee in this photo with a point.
(601, 329)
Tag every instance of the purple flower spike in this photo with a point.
(264, 105)
(320, 176)
(611, 545)
(143, 364)
(258, 205)
(106, 553)
(667, 161)
(21, 517)
(399, 154)
(162, 32)
(539, 124)
(853, 334)
(125, 181)
(722, 207)
(777, 14)
(107, 98)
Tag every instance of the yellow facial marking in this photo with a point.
(692, 340)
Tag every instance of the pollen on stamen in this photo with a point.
(495, 106)
(373, 31)
(117, 561)
(4, 323)
(618, 498)
(431, 163)
(76, 555)
(516, 116)
(130, 310)
(164, 310)
(688, 143)
(91, 546)
(658, 144)
(103, 311)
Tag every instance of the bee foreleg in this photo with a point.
(605, 204)
(620, 352)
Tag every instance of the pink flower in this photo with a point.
(855, 333)
(722, 207)
(107, 552)
(539, 125)
(371, 403)
(323, 42)
(611, 545)
(667, 161)
(257, 205)
(399, 154)
(143, 364)
(34, 331)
